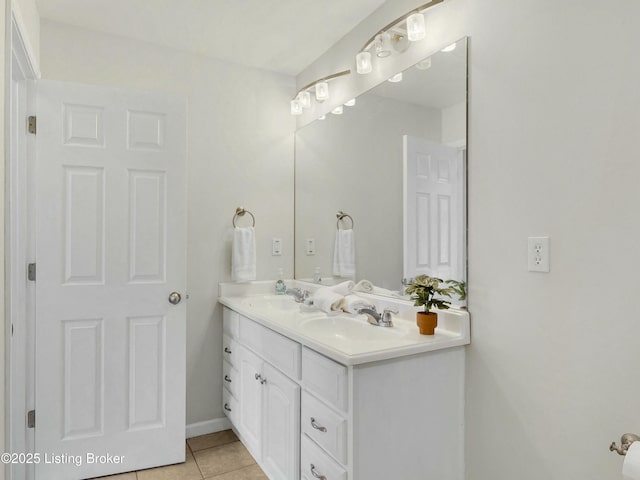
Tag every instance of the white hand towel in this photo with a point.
(352, 303)
(344, 254)
(243, 254)
(343, 288)
(327, 300)
(368, 287)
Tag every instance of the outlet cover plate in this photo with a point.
(538, 254)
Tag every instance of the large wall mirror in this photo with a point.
(395, 163)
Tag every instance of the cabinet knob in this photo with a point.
(316, 426)
(317, 475)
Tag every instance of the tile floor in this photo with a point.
(217, 456)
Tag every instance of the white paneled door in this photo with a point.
(110, 234)
(433, 210)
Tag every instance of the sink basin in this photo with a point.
(347, 332)
(269, 302)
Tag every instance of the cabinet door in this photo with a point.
(250, 401)
(281, 424)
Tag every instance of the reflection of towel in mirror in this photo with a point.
(343, 288)
(327, 300)
(344, 254)
(352, 303)
(243, 254)
(367, 287)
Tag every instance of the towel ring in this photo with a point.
(240, 213)
(341, 216)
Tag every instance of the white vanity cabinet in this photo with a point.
(306, 416)
(262, 403)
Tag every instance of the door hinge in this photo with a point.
(31, 419)
(31, 124)
(31, 272)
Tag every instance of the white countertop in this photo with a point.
(350, 339)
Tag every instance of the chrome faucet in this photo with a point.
(299, 295)
(379, 319)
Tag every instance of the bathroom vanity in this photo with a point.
(318, 396)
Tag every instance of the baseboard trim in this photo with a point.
(208, 426)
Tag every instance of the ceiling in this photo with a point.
(279, 35)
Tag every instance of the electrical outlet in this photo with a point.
(276, 247)
(538, 254)
(311, 246)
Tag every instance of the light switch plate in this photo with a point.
(538, 254)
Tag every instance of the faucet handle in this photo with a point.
(393, 311)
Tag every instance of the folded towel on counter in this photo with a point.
(343, 288)
(344, 254)
(327, 300)
(352, 303)
(243, 254)
(367, 287)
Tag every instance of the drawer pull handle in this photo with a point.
(316, 426)
(258, 377)
(226, 407)
(227, 379)
(226, 350)
(317, 475)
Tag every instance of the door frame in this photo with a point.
(21, 70)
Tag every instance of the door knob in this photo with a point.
(174, 298)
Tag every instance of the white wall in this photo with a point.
(240, 153)
(553, 118)
(3, 16)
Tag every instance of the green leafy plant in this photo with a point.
(459, 288)
(429, 291)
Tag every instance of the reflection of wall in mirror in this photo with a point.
(353, 162)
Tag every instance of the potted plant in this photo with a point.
(428, 292)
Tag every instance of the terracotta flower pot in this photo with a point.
(427, 322)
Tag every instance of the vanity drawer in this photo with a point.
(230, 377)
(230, 350)
(324, 426)
(314, 463)
(231, 323)
(230, 406)
(276, 349)
(324, 377)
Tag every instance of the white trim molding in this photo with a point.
(209, 426)
(22, 46)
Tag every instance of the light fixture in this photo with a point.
(383, 45)
(320, 87)
(338, 110)
(304, 98)
(450, 48)
(363, 63)
(415, 27)
(350, 103)
(296, 107)
(424, 64)
(409, 27)
(322, 91)
(396, 78)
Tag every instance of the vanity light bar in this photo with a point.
(320, 87)
(415, 28)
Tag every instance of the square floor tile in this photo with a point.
(254, 472)
(223, 459)
(212, 440)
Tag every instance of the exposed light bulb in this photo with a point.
(351, 102)
(322, 91)
(304, 98)
(415, 27)
(396, 78)
(450, 48)
(338, 110)
(363, 63)
(424, 64)
(296, 107)
(383, 45)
